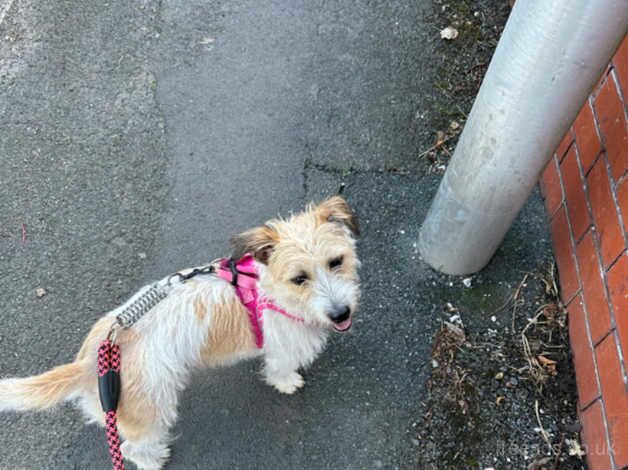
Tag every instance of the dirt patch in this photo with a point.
(461, 63)
(502, 391)
(502, 394)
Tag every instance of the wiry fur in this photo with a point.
(202, 324)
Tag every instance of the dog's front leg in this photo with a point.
(280, 371)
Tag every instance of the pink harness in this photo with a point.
(243, 275)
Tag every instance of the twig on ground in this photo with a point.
(544, 433)
(551, 288)
(23, 233)
(560, 451)
(536, 370)
(512, 297)
(515, 298)
(435, 146)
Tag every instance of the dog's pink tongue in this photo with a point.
(343, 326)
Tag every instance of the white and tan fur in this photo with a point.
(202, 324)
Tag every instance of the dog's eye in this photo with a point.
(299, 280)
(335, 263)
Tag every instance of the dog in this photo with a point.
(307, 271)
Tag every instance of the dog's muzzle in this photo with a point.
(341, 318)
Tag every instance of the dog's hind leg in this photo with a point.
(150, 450)
(144, 426)
(148, 454)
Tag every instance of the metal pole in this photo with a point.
(550, 56)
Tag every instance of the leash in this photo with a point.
(109, 391)
(109, 366)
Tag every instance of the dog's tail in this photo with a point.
(43, 391)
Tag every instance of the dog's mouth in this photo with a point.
(343, 325)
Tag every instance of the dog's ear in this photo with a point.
(258, 241)
(336, 209)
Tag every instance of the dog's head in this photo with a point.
(309, 262)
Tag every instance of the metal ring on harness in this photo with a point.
(113, 331)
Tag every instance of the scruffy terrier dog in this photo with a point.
(306, 270)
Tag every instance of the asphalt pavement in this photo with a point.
(137, 137)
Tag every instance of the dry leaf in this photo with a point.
(440, 139)
(500, 399)
(545, 361)
(549, 364)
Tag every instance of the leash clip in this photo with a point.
(113, 332)
(208, 269)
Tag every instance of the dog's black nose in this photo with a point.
(340, 314)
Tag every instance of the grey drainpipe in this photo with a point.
(550, 56)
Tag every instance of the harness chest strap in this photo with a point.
(243, 275)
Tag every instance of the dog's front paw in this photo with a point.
(287, 384)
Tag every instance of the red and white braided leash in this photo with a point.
(109, 387)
